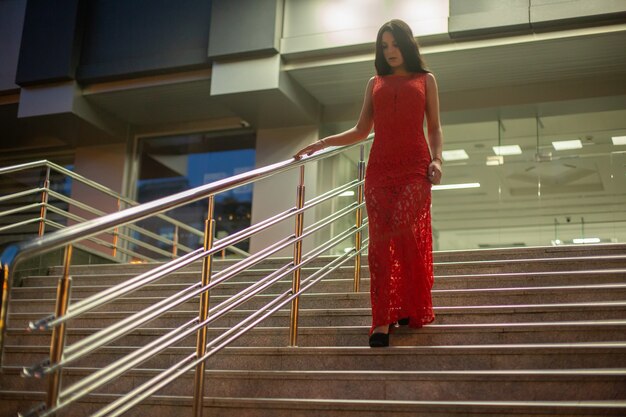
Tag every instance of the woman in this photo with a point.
(401, 168)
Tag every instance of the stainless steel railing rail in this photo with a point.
(116, 241)
(96, 186)
(62, 356)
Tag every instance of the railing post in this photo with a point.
(58, 333)
(44, 202)
(116, 232)
(209, 231)
(4, 308)
(359, 222)
(175, 242)
(297, 257)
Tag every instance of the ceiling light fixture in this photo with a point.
(564, 145)
(507, 150)
(349, 193)
(619, 140)
(456, 186)
(587, 240)
(455, 155)
(494, 160)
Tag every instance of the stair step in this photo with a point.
(508, 254)
(343, 280)
(434, 334)
(440, 268)
(530, 252)
(362, 316)
(419, 386)
(281, 407)
(492, 385)
(22, 301)
(417, 358)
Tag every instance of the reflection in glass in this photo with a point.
(177, 163)
(547, 180)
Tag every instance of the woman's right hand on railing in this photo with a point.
(311, 149)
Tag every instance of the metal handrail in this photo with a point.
(97, 212)
(21, 194)
(127, 287)
(103, 243)
(44, 206)
(15, 253)
(94, 185)
(152, 248)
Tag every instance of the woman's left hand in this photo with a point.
(434, 172)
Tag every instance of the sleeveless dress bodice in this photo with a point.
(400, 152)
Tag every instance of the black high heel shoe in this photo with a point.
(379, 340)
(404, 321)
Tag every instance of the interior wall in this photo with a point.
(278, 193)
(315, 25)
(105, 165)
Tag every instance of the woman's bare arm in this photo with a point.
(353, 135)
(435, 134)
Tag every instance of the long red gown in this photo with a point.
(397, 197)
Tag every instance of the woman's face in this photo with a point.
(391, 52)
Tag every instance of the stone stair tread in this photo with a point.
(371, 407)
(537, 251)
(422, 408)
(159, 398)
(516, 291)
(537, 306)
(527, 260)
(366, 350)
(367, 311)
(427, 328)
(464, 290)
(376, 374)
(528, 263)
(356, 335)
(537, 273)
(445, 281)
(12, 369)
(409, 349)
(342, 269)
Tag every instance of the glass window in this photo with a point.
(172, 164)
(533, 181)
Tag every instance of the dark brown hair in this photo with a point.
(406, 43)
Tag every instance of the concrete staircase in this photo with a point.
(519, 332)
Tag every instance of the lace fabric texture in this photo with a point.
(398, 198)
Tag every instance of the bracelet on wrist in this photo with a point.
(437, 159)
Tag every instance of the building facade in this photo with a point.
(150, 97)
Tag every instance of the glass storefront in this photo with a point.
(524, 181)
(508, 181)
(535, 181)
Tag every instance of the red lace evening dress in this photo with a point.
(397, 197)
